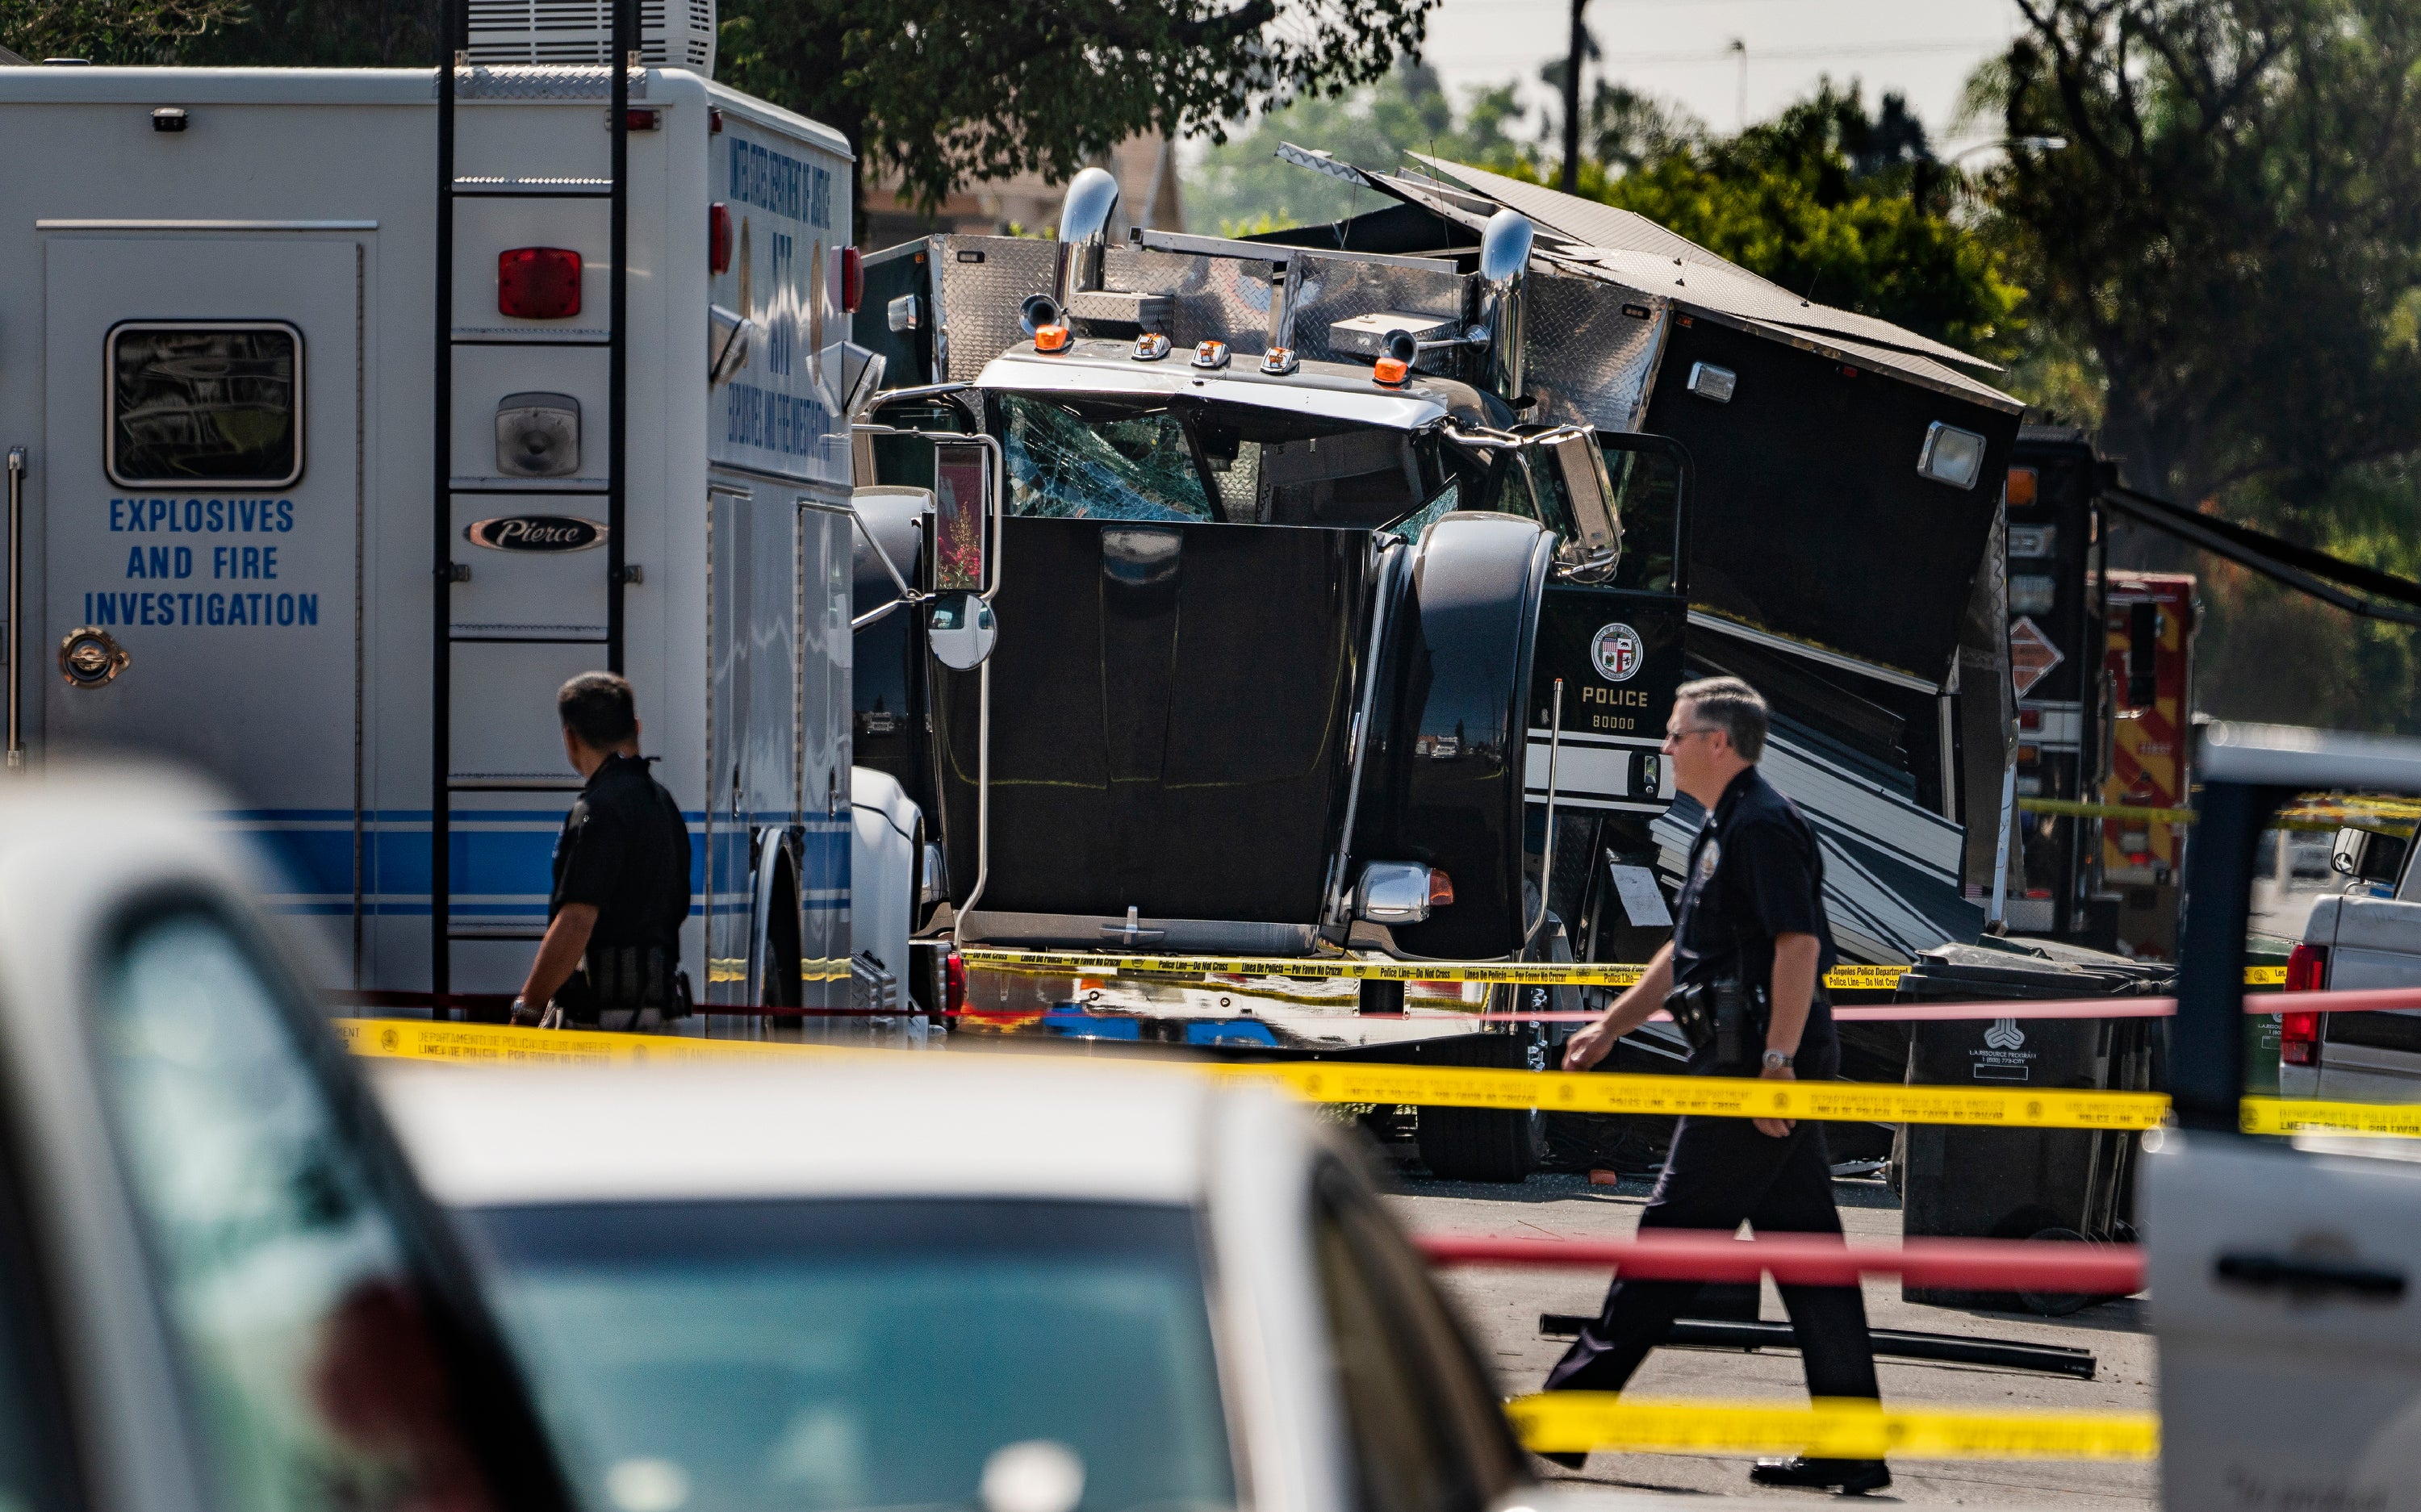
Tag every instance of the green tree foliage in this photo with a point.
(335, 34)
(2231, 245)
(112, 31)
(2235, 229)
(1240, 187)
(949, 91)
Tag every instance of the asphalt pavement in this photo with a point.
(1502, 1305)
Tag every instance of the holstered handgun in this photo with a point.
(619, 978)
(1726, 1016)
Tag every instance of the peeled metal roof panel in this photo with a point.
(1727, 291)
(1631, 235)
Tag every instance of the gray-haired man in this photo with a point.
(1745, 967)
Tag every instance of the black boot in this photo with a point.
(1850, 1477)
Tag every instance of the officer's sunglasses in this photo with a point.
(1688, 730)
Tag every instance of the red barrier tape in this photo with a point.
(2364, 1000)
(2367, 1000)
(2041, 1266)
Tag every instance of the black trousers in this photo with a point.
(1720, 1172)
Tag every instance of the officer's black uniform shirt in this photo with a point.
(624, 851)
(1755, 873)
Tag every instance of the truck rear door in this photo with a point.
(2283, 1273)
(200, 495)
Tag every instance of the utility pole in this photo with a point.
(1572, 100)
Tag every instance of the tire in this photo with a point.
(781, 986)
(1488, 1144)
(2057, 1303)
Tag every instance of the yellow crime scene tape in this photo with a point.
(1350, 1082)
(1831, 1429)
(2078, 808)
(1857, 978)
(1338, 968)
(2306, 1115)
(2386, 816)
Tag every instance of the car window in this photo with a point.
(37, 1469)
(1425, 1430)
(829, 1355)
(314, 1384)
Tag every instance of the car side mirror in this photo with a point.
(2344, 851)
(961, 628)
(1594, 550)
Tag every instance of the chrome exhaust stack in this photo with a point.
(1504, 270)
(1085, 218)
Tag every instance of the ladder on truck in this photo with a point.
(455, 67)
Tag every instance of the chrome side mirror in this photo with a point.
(962, 630)
(1399, 892)
(2345, 853)
(962, 508)
(1594, 550)
(728, 338)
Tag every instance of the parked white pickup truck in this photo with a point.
(2367, 936)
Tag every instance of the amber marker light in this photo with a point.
(1051, 338)
(1391, 371)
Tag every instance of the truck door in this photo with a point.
(2282, 1270)
(1617, 649)
(195, 504)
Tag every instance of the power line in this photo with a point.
(1615, 59)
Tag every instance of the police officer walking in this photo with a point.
(1744, 977)
(611, 958)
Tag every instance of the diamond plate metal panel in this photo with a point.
(1337, 288)
(540, 80)
(985, 282)
(1227, 299)
(1218, 299)
(1589, 362)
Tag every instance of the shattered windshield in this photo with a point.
(1067, 460)
(1184, 459)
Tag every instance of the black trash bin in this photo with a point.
(2022, 1183)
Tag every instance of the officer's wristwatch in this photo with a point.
(1779, 1060)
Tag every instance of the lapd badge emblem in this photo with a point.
(1618, 651)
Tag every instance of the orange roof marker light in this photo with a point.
(1390, 373)
(1049, 338)
(1151, 347)
(1211, 354)
(1279, 361)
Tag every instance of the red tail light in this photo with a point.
(2299, 1034)
(954, 984)
(537, 283)
(718, 238)
(852, 280)
(2299, 1038)
(2307, 969)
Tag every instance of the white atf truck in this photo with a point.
(349, 413)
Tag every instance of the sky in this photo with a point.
(1680, 48)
